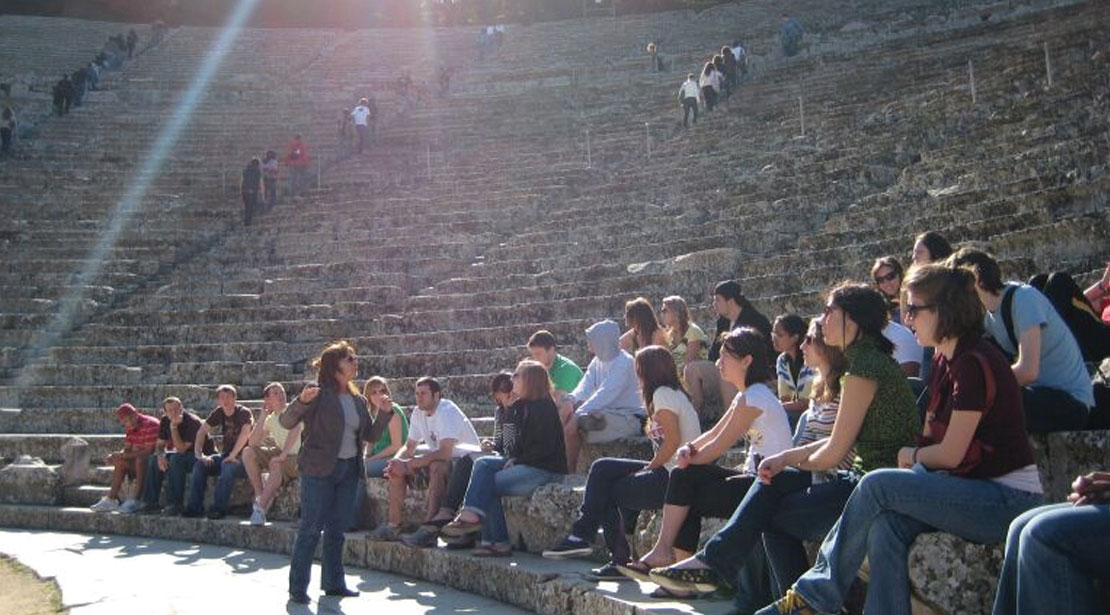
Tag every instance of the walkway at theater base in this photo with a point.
(121, 575)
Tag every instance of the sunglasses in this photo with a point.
(912, 310)
(353, 358)
(890, 277)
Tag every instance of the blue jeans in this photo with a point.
(808, 511)
(886, 512)
(227, 472)
(327, 504)
(616, 492)
(1053, 553)
(489, 481)
(179, 466)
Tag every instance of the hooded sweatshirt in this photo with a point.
(610, 382)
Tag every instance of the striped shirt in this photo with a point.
(817, 424)
(793, 388)
(145, 432)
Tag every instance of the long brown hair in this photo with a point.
(535, 380)
(655, 368)
(682, 311)
(639, 315)
(327, 365)
(826, 386)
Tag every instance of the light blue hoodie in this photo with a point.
(610, 382)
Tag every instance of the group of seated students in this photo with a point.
(844, 449)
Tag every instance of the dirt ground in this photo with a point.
(24, 593)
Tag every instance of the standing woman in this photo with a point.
(337, 427)
(7, 130)
(971, 475)
(618, 489)
(710, 83)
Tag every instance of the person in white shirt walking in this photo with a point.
(688, 95)
(361, 115)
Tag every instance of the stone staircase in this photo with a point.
(481, 216)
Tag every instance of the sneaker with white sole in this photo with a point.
(106, 504)
(130, 507)
(258, 516)
(571, 546)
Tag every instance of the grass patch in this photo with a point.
(22, 592)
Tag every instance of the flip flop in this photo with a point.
(459, 529)
(636, 570)
(665, 594)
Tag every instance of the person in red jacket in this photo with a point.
(296, 157)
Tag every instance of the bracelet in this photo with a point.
(914, 458)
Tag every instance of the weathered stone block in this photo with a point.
(28, 480)
(75, 462)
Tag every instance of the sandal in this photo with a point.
(492, 551)
(666, 594)
(458, 529)
(636, 570)
(704, 580)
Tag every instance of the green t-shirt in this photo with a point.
(565, 375)
(385, 441)
(891, 420)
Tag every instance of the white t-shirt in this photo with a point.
(906, 348)
(770, 431)
(361, 115)
(448, 423)
(666, 399)
(690, 89)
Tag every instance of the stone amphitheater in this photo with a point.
(552, 184)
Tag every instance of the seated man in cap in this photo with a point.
(140, 434)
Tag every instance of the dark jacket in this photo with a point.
(323, 430)
(538, 436)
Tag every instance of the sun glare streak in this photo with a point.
(129, 204)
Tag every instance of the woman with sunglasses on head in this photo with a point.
(971, 474)
(877, 416)
(337, 429)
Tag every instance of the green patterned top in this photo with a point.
(892, 419)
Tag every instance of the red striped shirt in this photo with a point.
(144, 434)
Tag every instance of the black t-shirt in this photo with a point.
(230, 426)
(251, 176)
(190, 425)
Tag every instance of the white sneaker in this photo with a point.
(106, 504)
(258, 517)
(129, 507)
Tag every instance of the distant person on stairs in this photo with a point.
(132, 41)
(710, 83)
(173, 457)
(7, 130)
(270, 171)
(141, 432)
(296, 157)
(63, 96)
(361, 116)
(249, 188)
(790, 35)
(607, 403)
(688, 95)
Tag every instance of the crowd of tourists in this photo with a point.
(851, 441)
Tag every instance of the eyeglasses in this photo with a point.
(353, 358)
(890, 277)
(912, 310)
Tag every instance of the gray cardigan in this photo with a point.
(323, 430)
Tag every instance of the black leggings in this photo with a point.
(709, 491)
